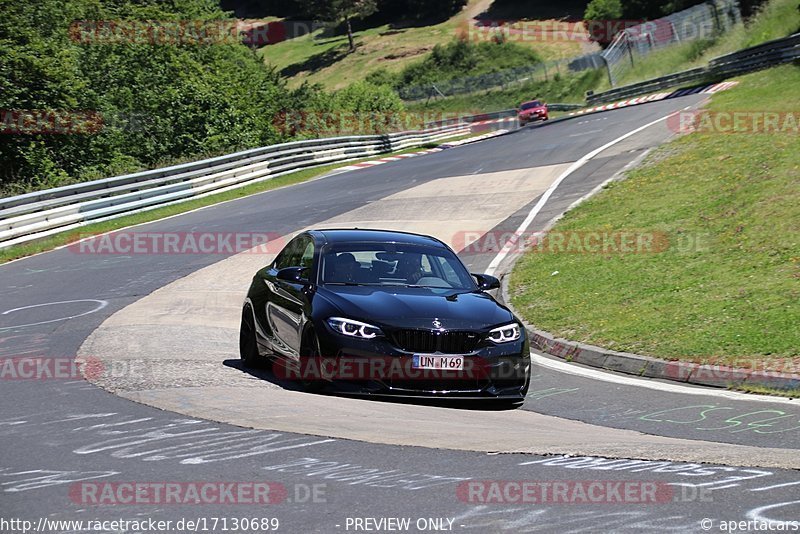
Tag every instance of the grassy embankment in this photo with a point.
(324, 60)
(727, 288)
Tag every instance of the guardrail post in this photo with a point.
(608, 69)
(630, 48)
(715, 13)
(675, 32)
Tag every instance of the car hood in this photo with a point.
(417, 307)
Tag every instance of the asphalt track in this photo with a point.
(57, 432)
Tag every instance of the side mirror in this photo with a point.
(295, 275)
(487, 282)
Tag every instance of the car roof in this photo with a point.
(539, 100)
(359, 235)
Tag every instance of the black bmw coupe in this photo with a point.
(383, 313)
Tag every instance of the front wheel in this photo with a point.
(248, 346)
(310, 356)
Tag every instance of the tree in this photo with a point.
(342, 11)
(599, 17)
(603, 9)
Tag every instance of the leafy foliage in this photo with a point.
(603, 10)
(160, 103)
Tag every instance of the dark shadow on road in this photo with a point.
(264, 372)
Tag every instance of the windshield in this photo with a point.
(393, 264)
(532, 104)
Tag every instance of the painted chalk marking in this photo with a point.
(100, 304)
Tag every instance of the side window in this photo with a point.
(290, 256)
(307, 259)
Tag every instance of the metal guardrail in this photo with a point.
(649, 86)
(39, 214)
(564, 107)
(757, 57)
(763, 56)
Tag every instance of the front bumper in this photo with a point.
(377, 367)
(533, 117)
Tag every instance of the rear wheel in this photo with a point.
(248, 346)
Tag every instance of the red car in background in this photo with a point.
(533, 110)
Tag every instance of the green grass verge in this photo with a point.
(733, 296)
(69, 236)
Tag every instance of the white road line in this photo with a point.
(597, 374)
(550, 190)
(590, 132)
(100, 305)
(795, 483)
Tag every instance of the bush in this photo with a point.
(603, 10)
(382, 77)
(365, 97)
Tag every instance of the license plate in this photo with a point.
(445, 363)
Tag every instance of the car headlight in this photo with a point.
(505, 334)
(351, 328)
